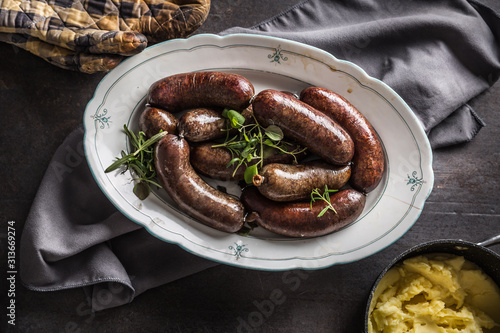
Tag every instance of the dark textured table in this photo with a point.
(42, 104)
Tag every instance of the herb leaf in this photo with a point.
(274, 133)
(316, 195)
(119, 162)
(142, 190)
(253, 143)
(140, 162)
(235, 118)
(250, 172)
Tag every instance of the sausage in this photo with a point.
(297, 219)
(285, 182)
(291, 94)
(193, 195)
(213, 161)
(308, 126)
(152, 120)
(369, 160)
(184, 91)
(204, 124)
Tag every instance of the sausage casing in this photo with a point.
(369, 160)
(297, 219)
(303, 123)
(286, 182)
(153, 120)
(204, 124)
(184, 91)
(193, 195)
(213, 162)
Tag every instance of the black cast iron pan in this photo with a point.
(486, 259)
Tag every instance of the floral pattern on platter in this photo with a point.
(277, 56)
(101, 119)
(238, 249)
(414, 181)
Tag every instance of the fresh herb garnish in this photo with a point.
(253, 143)
(316, 195)
(140, 162)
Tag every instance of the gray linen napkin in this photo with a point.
(436, 54)
(75, 237)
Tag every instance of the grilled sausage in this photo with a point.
(201, 89)
(213, 161)
(285, 182)
(308, 126)
(204, 124)
(368, 161)
(153, 120)
(297, 219)
(193, 195)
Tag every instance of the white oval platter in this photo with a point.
(391, 209)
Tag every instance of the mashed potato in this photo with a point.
(435, 293)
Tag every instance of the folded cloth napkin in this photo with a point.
(437, 54)
(75, 237)
(94, 36)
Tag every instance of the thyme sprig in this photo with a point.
(140, 162)
(316, 195)
(253, 143)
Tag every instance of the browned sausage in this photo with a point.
(152, 120)
(200, 89)
(193, 195)
(285, 182)
(291, 94)
(369, 161)
(297, 219)
(213, 161)
(308, 126)
(204, 124)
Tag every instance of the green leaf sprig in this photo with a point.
(253, 143)
(316, 195)
(140, 162)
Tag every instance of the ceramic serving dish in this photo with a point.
(391, 209)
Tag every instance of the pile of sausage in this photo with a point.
(345, 145)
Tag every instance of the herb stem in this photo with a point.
(316, 195)
(140, 162)
(251, 143)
